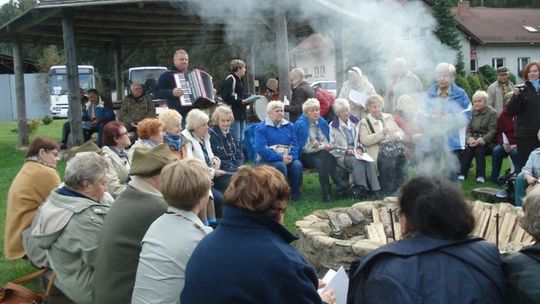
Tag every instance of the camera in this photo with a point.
(521, 87)
(476, 135)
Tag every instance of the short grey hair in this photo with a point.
(531, 215)
(135, 84)
(236, 64)
(447, 70)
(340, 105)
(373, 99)
(310, 103)
(274, 104)
(480, 95)
(196, 118)
(403, 101)
(84, 166)
(297, 73)
(222, 111)
(178, 52)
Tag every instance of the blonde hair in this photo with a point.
(403, 101)
(310, 103)
(530, 221)
(259, 189)
(480, 95)
(237, 64)
(170, 118)
(185, 183)
(374, 98)
(222, 111)
(196, 118)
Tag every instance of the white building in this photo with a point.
(498, 36)
(315, 55)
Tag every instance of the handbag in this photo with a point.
(15, 293)
(390, 148)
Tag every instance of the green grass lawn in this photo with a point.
(13, 158)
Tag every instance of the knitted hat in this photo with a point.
(356, 69)
(88, 146)
(149, 162)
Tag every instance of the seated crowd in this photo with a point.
(137, 224)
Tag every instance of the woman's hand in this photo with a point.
(287, 159)
(315, 144)
(216, 163)
(328, 296)
(349, 152)
(359, 151)
(328, 147)
(530, 179)
(516, 90)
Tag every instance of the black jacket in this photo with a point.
(522, 272)
(299, 95)
(526, 108)
(164, 88)
(234, 98)
(424, 269)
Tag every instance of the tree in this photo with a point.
(447, 32)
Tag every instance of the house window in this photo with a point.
(317, 73)
(305, 71)
(474, 65)
(407, 33)
(497, 62)
(522, 62)
(423, 32)
(323, 70)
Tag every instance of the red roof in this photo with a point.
(499, 25)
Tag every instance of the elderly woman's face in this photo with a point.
(479, 104)
(443, 81)
(174, 129)
(375, 109)
(224, 122)
(344, 114)
(96, 190)
(353, 76)
(276, 115)
(313, 113)
(201, 130)
(49, 156)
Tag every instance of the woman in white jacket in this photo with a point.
(197, 133)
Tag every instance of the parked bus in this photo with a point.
(59, 87)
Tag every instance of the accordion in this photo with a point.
(197, 87)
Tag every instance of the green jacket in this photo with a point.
(134, 109)
(483, 125)
(66, 229)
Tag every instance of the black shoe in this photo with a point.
(326, 197)
(359, 192)
(63, 146)
(346, 192)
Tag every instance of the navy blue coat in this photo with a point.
(424, 269)
(224, 147)
(248, 259)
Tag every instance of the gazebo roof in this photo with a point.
(135, 23)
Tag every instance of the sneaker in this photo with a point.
(480, 180)
(502, 194)
(461, 178)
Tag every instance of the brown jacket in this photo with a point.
(27, 192)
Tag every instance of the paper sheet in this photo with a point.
(505, 139)
(358, 97)
(364, 156)
(339, 282)
(285, 100)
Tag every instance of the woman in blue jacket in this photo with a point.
(437, 261)
(313, 134)
(277, 146)
(248, 258)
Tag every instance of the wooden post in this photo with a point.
(118, 71)
(18, 67)
(282, 49)
(72, 72)
(250, 62)
(338, 54)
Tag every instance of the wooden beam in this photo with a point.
(72, 72)
(19, 92)
(282, 49)
(118, 71)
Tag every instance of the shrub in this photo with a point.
(32, 125)
(462, 82)
(47, 119)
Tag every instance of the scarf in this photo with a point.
(174, 141)
(536, 84)
(37, 159)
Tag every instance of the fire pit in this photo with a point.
(338, 236)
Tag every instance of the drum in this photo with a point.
(256, 110)
(259, 107)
